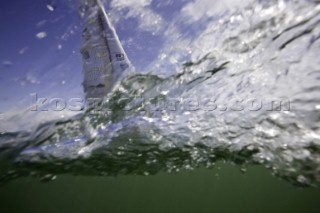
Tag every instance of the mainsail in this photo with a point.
(104, 59)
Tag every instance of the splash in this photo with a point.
(252, 99)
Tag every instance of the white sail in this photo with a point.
(104, 59)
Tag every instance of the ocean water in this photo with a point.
(236, 82)
(221, 189)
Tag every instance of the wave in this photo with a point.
(253, 99)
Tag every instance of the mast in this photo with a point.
(104, 59)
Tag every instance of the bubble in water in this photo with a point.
(48, 177)
(302, 179)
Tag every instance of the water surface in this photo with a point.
(238, 83)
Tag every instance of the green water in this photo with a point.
(222, 189)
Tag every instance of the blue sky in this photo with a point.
(40, 42)
(33, 60)
(51, 64)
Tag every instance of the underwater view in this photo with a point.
(160, 106)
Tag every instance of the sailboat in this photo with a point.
(104, 59)
(104, 62)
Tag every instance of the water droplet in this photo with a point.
(23, 50)
(51, 7)
(41, 35)
(7, 63)
(41, 23)
(164, 92)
